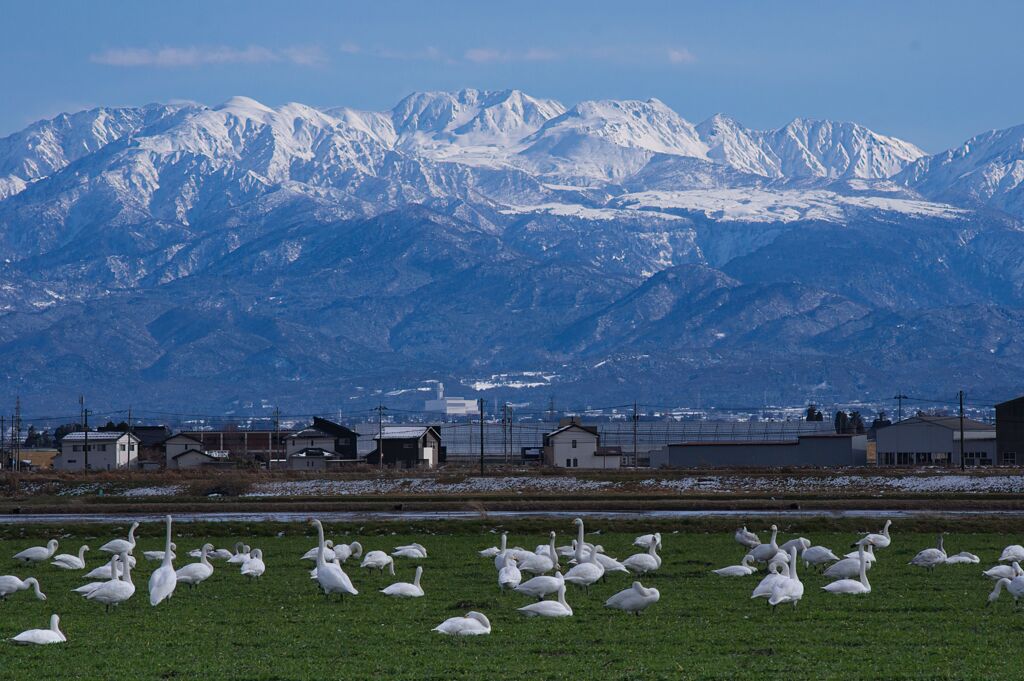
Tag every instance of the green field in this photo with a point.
(912, 625)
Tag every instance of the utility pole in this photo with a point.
(16, 440)
(636, 421)
(504, 432)
(85, 427)
(481, 436)
(899, 406)
(277, 437)
(3, 437)
(962, 464)
(380, 435)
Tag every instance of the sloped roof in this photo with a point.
(97, 436)
(402, 432)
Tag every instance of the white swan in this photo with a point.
(67, 561)
(817, 555)
(10, 584)
(588, 573)
(964, 557)
(744, 569)
(119, 546)
(930, 558)
(1014, 586)
(869, 553)
(42, 636)
(405, 589)
(642, 563)
(110, 570)
(254, 567)
(765, 552)
(556, 608)
(345, 551)
(745, 537)
(635, 599)
(880, 540)
(1004, 571)
(509, 576)
(159, 555)
(644, 540)
(473, 624)
(195, 574)
(163, 580)
(849, 568)
(37, 554)
(378, 560)
(494, 550)
(218, 554)
(1013, 552)
(117, 590)
(800, 544)
(330, 576)
(853, 586)
(791, 589)
(328, 552)
(541, 586)
(240, 555)
(578, 545)
(414, 551)
(540, 563)
(764, 587)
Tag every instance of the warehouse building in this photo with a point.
(1010, 432)
(819, 449)
(935, 441)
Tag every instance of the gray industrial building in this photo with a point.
(1010, 432)
(815, 449)
(935, 441)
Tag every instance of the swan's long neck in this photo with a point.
(775, 534)
(126, 569)
(131, 534)
(999, 589)
(941, 547)
(55, 624)
(203, 557)
(561, 596)
(792, 563)
(167, 544)
(579, 533)
(863, 566)
(504, 541)
(885, 530)
(81, 552)
(416, 579)
(319, 544)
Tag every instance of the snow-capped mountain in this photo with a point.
(274, 246)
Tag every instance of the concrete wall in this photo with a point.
(919, 443)
(835, 450)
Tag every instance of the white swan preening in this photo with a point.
(541, 585)
(1015, 587)
(117, 590)
(195, 574)
(746, 538)
(37, 554)
(163, 580)
(378, 560)
(744, 569)
(1013, 552)
(67, 561)
(331, 578)
(635, 599)
(644, 540)
(414, 551)
(509, 576)
(159, 555)
(473, 624)
(405, 589)
(800, 544)
(556, 608)
(118, 546)
(10, 584)
(853, 586)
(240, 555)
(1004, 571)
(254, 567)
(880, 540)
(42, 636)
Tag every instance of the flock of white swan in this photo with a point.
(518, 569)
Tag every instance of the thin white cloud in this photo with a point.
(177, 57)
(680, 55)
(485, 55)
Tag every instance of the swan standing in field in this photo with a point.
(580, 545)
(509, 577)
(930, 558)
(1014, 552)
(1014, 586)
(159, 555)
(587, 573)
(328, 552)
(345, 551)
(378, 560)
(117, 590)
(744, 569)
(240, 555)
(765, 586)
(493, 551)
(67, 561)
(540, 563)
(195, 574)
(556, 608)
(1004, 571)
(405, 589)
(473, 624)
(746, 538)
(119, 546)
(414, 551)
(880, 540)
(42, 636)
(254, 567)
(791, 589)
(853, 586)
(37, 554)
(817, 555)
(541, 586)
(10, 584)
(869, 553)
(110, 571)
(765, 552)
(163, 580)
(330, 576)
(635, 599)
(642, 563)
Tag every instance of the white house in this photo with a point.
(97, 451)
(577, 446)
(177, 445)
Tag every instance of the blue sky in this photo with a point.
(934, 73)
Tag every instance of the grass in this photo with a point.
(913, 625)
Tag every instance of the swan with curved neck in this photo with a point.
(642, 563)
(195, 574)
(330, 576)
(163, 580)
(555, 608)
(405, 589)
(765, 552)
(473, 624)
(789, 590)
(746, 567)
(67, 561)
(37, 554)
(509, 576)
(853, 586)
(117, 590)
(10, 584)
(42, 636)
(118, 546)
(635, 599)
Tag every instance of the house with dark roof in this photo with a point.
(408, 447)
(935, 441)
(573, 445)
(321, 445)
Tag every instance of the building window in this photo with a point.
(76, 448)
(72, 461)
(575, 463)
(1009, 459)
(568, 463)
(122, 447)
(342, 441)
(574, 444)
